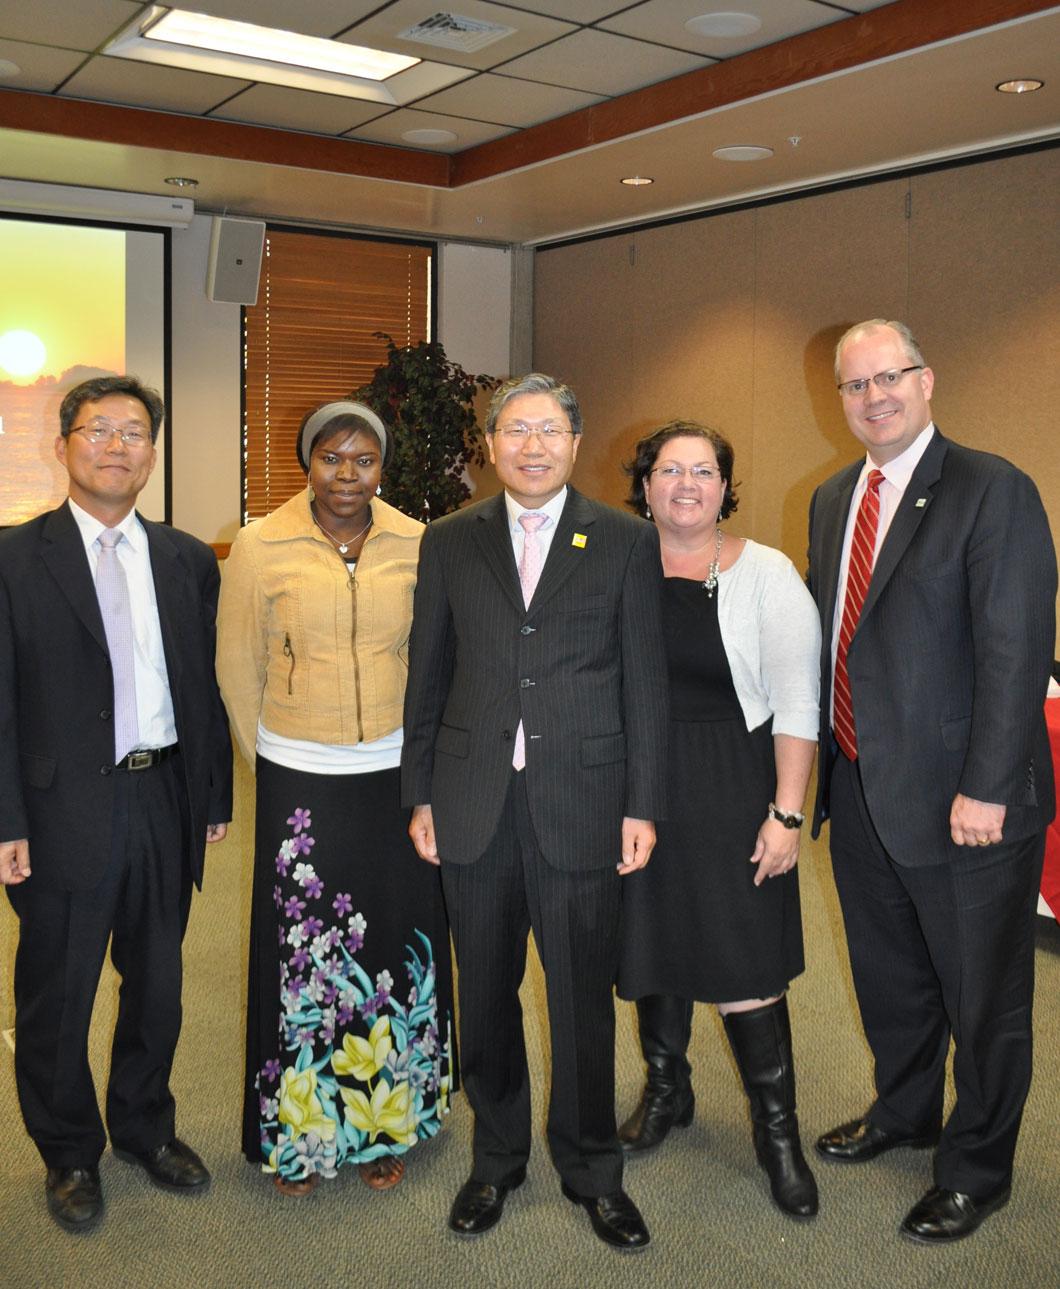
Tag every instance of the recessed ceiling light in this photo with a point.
(743, 152)
(1019, 87)
(637, 181)
(181, 181)
(724, 24)
(429, 136)
(8, 68)
(222, 47)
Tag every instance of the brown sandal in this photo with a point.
(296, 1186)
(382, 1173)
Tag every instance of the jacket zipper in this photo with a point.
(288, 652)
(356, 666)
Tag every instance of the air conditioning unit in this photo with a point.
(26, 198)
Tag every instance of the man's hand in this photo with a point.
(216, 832)
(421, 830)
(975, 823)
(638, 841)
(14, 861)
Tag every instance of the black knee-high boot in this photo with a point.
(761, 1043)
(667, 1101)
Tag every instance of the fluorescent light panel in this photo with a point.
(288, 48)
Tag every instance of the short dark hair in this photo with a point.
(346, 423)
(535, 383)
(91, 391)
(647, 453)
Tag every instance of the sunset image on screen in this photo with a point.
(62, 320)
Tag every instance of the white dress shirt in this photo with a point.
(154, 705)
(553, 509)
(896, 476)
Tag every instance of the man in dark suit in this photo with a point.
(934, 770)
(116, 768)
(535, 722)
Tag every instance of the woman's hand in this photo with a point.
(776, 851)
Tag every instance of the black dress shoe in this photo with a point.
(615, 1218)
(479, 1205)
(174, 1166)
(861, 1140)
(943, 1216)
(75, 1198)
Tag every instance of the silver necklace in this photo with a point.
(710, 582)
(343, 547)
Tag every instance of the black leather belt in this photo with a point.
(146, 759)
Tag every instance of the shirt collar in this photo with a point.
(553, 509)
(90, 527)
(900, 470)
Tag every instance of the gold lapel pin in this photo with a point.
(921, 502)
(578, 540)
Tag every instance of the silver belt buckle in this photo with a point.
(140, 760)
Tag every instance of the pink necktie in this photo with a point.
(112, 591)
(859, 573)
(529, 573)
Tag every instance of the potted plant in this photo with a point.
(428, 402)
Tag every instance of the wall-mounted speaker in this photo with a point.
(235, 260)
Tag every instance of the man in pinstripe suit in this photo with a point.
(935, 771)
(535, 722)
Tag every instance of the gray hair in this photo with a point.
(909, 341)
(534, 383)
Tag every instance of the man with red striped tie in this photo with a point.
(935, 575)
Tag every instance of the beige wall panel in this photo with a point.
(985, 306)
(823, 263)
(649, 327)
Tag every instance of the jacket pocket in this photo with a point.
(603, 750)
(587, 604)
(452, 741)
(37, 771)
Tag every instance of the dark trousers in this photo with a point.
(938, 951)
(142, 906)
(493, 903)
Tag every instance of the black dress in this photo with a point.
(694, 923)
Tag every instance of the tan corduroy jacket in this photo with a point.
(317, 653)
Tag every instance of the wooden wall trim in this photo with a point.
(880, 33)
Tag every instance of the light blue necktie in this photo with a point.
(112, 591)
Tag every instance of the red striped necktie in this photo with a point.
(859, 572)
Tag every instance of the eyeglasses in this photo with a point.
(97, 432)
(882, 380)
(701, 473)
(551, 430)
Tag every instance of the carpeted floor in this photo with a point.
(705, 1200)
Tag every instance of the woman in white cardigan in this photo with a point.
(715, 916)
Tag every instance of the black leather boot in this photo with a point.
(761, 1043)
(667, 1101)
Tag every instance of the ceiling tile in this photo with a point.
(317, 18)
(169, 89)
(601, 63)
(508, 101)
(84, 25)
(381, 31)
(389, 129)
(292, 109)
(41, 68)
(571, 10)
(664, 21)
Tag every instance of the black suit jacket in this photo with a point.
(951, 656)
(583, 668)
(56, 695)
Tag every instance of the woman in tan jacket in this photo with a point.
(350, 1048)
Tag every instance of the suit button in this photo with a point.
(105, 714)
(525, 684)
(506, 736)
(105, 769)
(527, 631)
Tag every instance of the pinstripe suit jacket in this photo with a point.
(952, 652)
(583, 667)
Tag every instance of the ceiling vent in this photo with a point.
(450, 31)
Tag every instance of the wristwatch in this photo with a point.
(794, 820)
